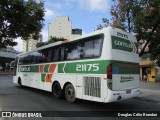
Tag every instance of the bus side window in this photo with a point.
(91, 48)
(25, 59)
(73, 51)
(38, 57)
(21, 60)
(28, 59)
(49, 55)
(46, 55)
(32, 58)
(62, 53)
(55, 54)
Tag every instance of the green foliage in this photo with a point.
(141, 17)
(39, 44)
(19, 18)
(52, 39)
(55, 39)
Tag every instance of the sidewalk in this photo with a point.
(149, 91)
(150, 85)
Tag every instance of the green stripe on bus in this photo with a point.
(43, 77)
(46, 68)
(60, 67)
(125, 68)
(89, 67)
(98, 67)
(34, 68)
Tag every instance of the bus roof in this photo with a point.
(111, 29)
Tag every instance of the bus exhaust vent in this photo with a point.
(92, 86)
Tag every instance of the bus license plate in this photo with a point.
(128, 91)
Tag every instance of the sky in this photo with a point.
(84, 14)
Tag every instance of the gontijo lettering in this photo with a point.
(123, 44)
(25, 69)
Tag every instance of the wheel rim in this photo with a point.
(70, 93)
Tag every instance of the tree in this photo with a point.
(141, 17)
(20, 18)
(52, 39)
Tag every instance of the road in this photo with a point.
(15, 98)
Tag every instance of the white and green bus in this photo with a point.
(102, 66)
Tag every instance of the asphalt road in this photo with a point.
(15, 98)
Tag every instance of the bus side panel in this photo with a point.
(65, 78)
(35, 80)
(39, 82)
(25, 78)
(79, 86)
(15, 79)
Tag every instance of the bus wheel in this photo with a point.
(20, 82)
(70, 93)
(56, 90)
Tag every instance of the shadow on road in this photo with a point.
(87, 104)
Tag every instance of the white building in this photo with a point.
(62, 27)
(30, 44)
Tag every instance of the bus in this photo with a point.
(102, 66)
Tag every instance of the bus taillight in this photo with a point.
(109, 76)
(109, 71)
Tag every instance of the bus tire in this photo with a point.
(70, 93)
(20, 82)
(56, 90)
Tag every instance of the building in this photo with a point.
(147, 70)
(62, 27)
(76, 33)
(30, 44)
(147, 66)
